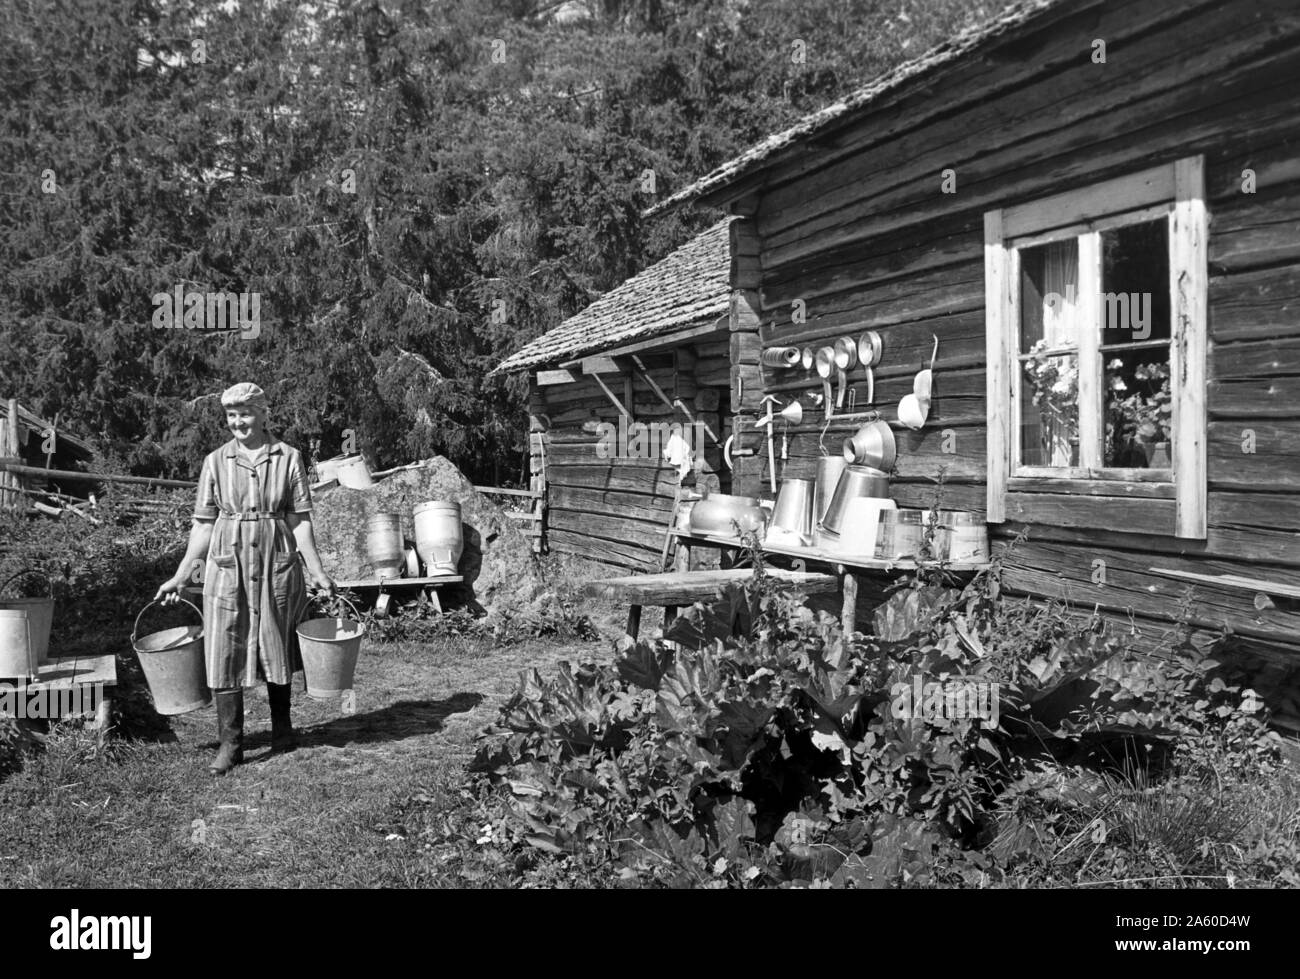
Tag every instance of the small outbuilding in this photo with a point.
(658, 367)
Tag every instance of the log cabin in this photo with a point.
(1094, 207)
(671, 349)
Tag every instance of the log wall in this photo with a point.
(857, 230)
(616, 509)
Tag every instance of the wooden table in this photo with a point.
(850, 568)
(95, 674)
(674, 589)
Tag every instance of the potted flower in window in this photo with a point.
(1054, 380)
(1138, 415)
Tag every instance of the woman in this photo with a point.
(251, 522)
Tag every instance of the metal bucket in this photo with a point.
(384, 545)
(794, 507)
(352, 472)
(330, 647)
(829, 469)
(17, 657)
(855, 482)
(40, 613)
(438, 535)
(173, 665)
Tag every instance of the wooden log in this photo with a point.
(1228, 95)
(1259, 304)
(1268, 358)
(614, 553)
(990, 95)
(88, 477)
(1254, 510)
(1245, 544)
(1255, 455)
(1123, 580)
(1143, 515)
(1260, 398)
(745, 307)
(686, 588)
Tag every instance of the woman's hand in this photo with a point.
(169, 591)
(321, 582)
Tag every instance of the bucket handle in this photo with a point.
(49, 585)
(341, 599)
(136, 628)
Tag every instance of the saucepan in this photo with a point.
(825, 366)
(846, 358)
(869, 349)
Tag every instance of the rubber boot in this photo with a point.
(283, 736)
(230, 730)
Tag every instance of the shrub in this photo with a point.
(779, 756)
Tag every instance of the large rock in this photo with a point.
(499, 567)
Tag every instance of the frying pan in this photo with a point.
(846, 358)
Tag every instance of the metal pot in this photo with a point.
(855, 482)
(718, 514)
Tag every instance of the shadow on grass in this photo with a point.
(397, 722)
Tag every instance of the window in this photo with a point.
(1096, 334)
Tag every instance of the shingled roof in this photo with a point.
(691, 285)
(920, 69)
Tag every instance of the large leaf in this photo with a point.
(706, 624)
(907, 613)
(644, 665)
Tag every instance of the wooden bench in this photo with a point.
(96, 674)
(675, 589)
(429, 585)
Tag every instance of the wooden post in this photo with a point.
(849, 610)
(10, 481)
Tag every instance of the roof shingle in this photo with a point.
(689, 285)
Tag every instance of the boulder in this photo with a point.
(499, 566)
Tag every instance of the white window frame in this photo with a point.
(1177, 190)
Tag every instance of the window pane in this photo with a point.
(1137, 408)
(1135, 282)
(1049, 296)
(1049, 410)
(1049, 323)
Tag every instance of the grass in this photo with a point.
(379, 797)
(147, 814)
